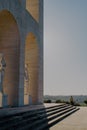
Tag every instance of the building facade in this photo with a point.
(21, 43)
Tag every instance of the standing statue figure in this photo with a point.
(26, 77)
(2, 71)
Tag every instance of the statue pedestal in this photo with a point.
(3, 100)
(27, 99)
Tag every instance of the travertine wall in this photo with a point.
(23, 3)
(33, 7)
(21, 41)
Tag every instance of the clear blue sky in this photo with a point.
(65, 47)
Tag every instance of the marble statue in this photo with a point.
(2, 71)
(26, 77)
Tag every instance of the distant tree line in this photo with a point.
(71, 101)
(77, 98)
(62, 101)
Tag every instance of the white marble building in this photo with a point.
(21, 42)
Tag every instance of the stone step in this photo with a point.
(15, 112)
(58, 110)
(34, 118)
(31, 116)
(44, 120)
(19, 116)
(54, 115)
(56, 120)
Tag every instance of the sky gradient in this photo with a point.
(65, 47)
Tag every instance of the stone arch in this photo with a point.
(10, 47)
(33, 7)
(32, 68)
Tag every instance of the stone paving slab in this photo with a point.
(76, 121)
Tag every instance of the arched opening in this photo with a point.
(33, 7)
(9, 46)
(31, 69)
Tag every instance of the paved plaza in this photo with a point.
(76, 121)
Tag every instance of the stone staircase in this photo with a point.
(39, 119)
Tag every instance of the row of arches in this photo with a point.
(10, 43)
